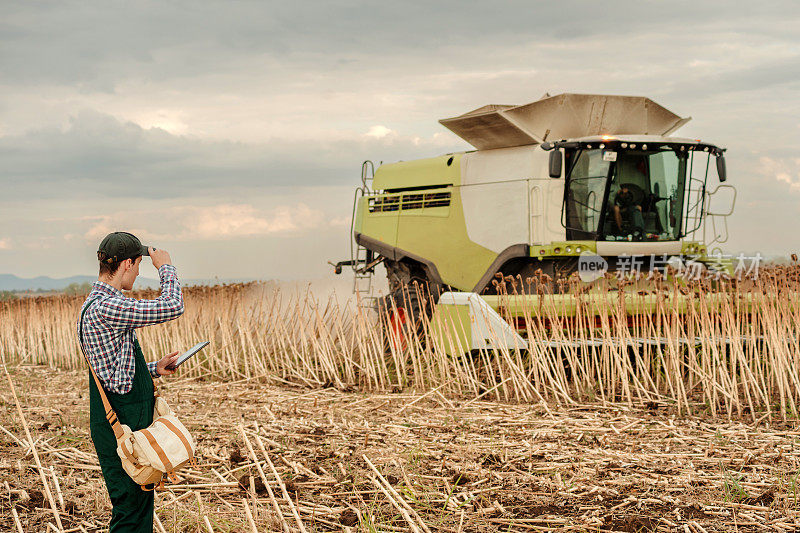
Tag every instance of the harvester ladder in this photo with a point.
(362, 279)
(360, 256)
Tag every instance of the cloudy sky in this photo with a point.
(231, 133)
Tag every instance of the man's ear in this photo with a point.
(128, 264)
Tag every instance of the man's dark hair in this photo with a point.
(108, 265)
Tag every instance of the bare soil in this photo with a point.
(449, 464)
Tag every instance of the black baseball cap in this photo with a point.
(119, 246)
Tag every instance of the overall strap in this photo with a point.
(110, 415)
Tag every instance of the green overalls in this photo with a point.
(132, 507)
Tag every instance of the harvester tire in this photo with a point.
(402, 314)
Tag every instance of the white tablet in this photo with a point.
(188, 353)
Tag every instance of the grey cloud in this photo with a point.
(747, 78)
(347, 65)
(99, 155)
(96, 45)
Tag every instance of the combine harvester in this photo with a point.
(569, 183)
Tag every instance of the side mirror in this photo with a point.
(555, 164)
(721, 170)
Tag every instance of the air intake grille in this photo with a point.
(407, 202)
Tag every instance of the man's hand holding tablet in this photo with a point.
(188, 354)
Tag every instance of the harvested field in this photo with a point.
(440, 463)
(309, 418)
(727, 347)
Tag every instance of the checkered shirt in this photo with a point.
(109, 324)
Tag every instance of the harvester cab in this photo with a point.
(548, 183)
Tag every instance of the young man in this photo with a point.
(109, 339)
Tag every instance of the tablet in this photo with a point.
(189, 353)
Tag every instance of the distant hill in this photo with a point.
(10, 282)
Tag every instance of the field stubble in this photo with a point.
(452, 465)
(728, 348)
(620, 436)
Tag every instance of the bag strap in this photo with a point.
(111, 416)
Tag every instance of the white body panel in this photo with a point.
(496, 213)
(503, 164)
(509, 199)
(551, 229)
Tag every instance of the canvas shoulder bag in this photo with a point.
(148, 455)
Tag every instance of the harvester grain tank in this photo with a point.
(549, 182)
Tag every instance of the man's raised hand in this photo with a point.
(159, 257)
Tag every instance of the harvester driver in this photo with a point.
(627, 213)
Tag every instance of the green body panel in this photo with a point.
(563, 249)
(418, 173)
(358, 216)
(444, 241)
(693, 248)
(380, 226)
(451, 328)
(437, 234)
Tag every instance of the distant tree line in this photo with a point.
(78, 288)
(71, 289)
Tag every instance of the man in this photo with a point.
(627, 214)
(109, 340)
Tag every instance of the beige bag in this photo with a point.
(149, 454)
(160, 449)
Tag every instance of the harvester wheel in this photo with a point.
(402, 313)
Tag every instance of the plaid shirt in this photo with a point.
(108, 327)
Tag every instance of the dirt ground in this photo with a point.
(444, 464)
